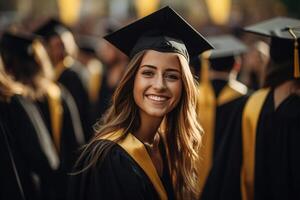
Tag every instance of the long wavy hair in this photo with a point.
(8, 87)
(32, 73)
(181, 130)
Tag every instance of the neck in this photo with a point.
(219, 75)
(283, 91)
(148, 129)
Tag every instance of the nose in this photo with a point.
(159, 83)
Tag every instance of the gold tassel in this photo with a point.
(296, 60)
(204, 76)
(296, 55)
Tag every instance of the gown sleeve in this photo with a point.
(118, 177)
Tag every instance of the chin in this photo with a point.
(156, 113)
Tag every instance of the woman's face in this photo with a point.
(57, 50)
(158, 84)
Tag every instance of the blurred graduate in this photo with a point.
(220, 96)
(263, 157)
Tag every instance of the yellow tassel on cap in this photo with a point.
(296, 60)
(296, 54)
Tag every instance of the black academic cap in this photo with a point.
(226, 49)
(226, 45)
(111, 25)
(284, 33)
(163, 30)
(87, 43)
(18, 44)
(50, 27)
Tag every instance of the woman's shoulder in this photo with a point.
(113, 174)
(105, 152)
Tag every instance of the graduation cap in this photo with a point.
(164, 31)
(87, 43)
(18, 44)
(226, 49)
(51, 27)
(284, 33)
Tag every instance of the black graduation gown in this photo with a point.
(119, 177)
(35, 157)
(104, 98)
(277, 160)
(75, 80)
(72, 137)
(223, 182)
(9, 187)
(225, 113)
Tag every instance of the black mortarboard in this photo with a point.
(51, 27)
(226, 49)
(87, 43)
(19, 44)
(226, 45)
(163, 30)
(284, 33)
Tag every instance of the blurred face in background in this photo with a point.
(109, 54)
(56, 50)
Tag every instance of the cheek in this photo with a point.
(137, 90)
(177, 92)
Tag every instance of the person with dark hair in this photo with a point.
(263, 161)
(147, 144)
(28, 156)
(62, 50)
(88, 56)
(114, 62)
(219, 96)
(270, 128)
(28, 65)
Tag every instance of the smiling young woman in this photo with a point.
(146, 146)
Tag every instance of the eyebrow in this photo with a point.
(154, 67)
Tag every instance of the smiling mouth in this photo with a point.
(157, 98)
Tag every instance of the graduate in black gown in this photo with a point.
(262, 162)
(220, 94)
(11, 187)
(114, 62)
(270, 168)
(88, 56)
(55, 105)
(28, 157)
(68, 70)
(146, 145)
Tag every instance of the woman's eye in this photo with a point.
(147, 73)
(172, 76)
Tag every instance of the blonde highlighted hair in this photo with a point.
(32, 76)
(182, 132)
(8, 87)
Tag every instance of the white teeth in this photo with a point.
(157, 98)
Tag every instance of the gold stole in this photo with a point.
(249, 126)
(56, 112)
(138, 152)
(207, 103)
(60, 68)
(95, 69)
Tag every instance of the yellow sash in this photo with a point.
(60, 68)
(95, 69)
(56, 112)
(207, 103)
(138, 152)
(249, 125)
